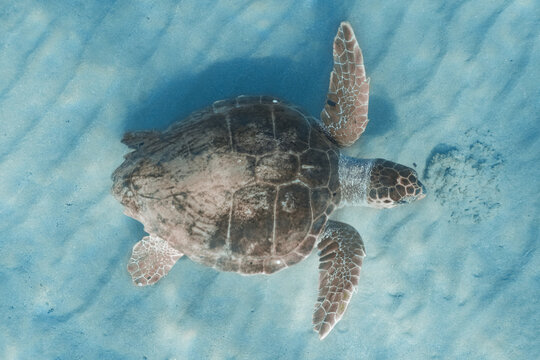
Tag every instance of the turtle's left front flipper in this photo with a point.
(346, 109)
(341, 254)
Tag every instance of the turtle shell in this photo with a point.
(245, 185)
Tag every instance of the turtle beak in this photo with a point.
(411, 198)
(423, 191)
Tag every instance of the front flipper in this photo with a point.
(151, 259)
(346, 109)
(341, 254)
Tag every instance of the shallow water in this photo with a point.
(454, 93)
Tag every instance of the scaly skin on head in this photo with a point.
(377, 183)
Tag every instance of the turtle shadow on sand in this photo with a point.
(278, 76)
(382, 116)
(275, 76)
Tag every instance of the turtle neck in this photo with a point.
(354, 179)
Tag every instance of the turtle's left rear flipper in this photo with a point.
(151, 259)
(341, 254)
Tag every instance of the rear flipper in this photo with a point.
(151, 259)
(341, 254)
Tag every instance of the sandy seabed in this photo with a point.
(454, 93)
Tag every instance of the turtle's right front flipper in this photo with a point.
(346, 109)
(341, 254)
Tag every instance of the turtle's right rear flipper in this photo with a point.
(136, 139)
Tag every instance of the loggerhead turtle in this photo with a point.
(248, 184)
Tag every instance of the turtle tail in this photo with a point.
(136, 139)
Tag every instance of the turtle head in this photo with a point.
(393, 184)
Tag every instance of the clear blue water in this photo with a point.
(454, 92)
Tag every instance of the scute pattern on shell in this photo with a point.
(245, 185)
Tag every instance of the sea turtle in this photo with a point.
(248, 185)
